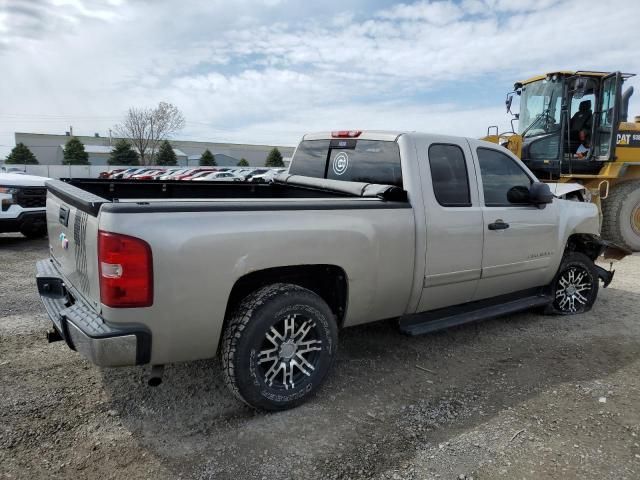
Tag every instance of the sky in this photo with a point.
(267, 71)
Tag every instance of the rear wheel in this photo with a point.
(621, 215)
(279, 346)
(575, 286)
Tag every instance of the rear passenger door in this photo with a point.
(520, 239)
(454, 223)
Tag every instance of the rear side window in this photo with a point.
(367, 161)
(500, 173)
(449, 175)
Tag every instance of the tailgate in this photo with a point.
(73, 234)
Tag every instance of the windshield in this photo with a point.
(540, 106)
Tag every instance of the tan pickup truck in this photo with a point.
(431, 230)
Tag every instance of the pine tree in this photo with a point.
(243, 162)
(21, 155)
(274, 159)
(123, 154)
(208, 159)
(166, 156)
(74, 153)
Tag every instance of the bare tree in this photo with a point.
(146, 128)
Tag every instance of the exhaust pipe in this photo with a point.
(155, 377)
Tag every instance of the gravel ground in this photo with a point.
(521, 397)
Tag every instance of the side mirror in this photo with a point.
(540, 194)
(508, 102)
(519, 195)
(537, 194)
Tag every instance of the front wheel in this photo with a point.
(575, 286)
(279, 346)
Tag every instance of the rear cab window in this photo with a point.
(353, 160)
(449, 175)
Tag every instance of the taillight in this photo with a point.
(125, 267)
(346, 133)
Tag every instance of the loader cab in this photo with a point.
(559, 112)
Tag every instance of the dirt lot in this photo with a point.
(522, 397)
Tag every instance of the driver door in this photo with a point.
(607, 118)
(520, 239)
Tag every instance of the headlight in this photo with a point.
(7, 202)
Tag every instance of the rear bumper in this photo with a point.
(84, 330)
(25, 220)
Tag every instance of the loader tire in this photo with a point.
(621, 215)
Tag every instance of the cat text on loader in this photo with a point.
(573, 128)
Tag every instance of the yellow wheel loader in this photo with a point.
(573, 128)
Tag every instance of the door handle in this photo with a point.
(498, 225)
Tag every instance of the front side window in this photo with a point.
(449, 175)
(503, 181)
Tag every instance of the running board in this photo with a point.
(421, 323)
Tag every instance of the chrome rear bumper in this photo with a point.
(84, 330)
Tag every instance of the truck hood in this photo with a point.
(19, 180)
(561, 189)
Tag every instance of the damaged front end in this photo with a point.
(611, 252)
(596, 248)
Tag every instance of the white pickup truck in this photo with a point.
(22, 204)
(431, 230)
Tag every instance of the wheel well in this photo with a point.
(589, 244)
(328, 281)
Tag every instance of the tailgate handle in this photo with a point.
(63, 216)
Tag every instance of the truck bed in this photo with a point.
(89, 195)
(206, 238)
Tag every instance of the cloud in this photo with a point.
(22, 21)
(267, 71)
(438, 13)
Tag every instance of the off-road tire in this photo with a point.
(617, 209)
(579, 263)
(245, 336)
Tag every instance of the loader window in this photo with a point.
(449, 175)
(606, 120)
(540, 108)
